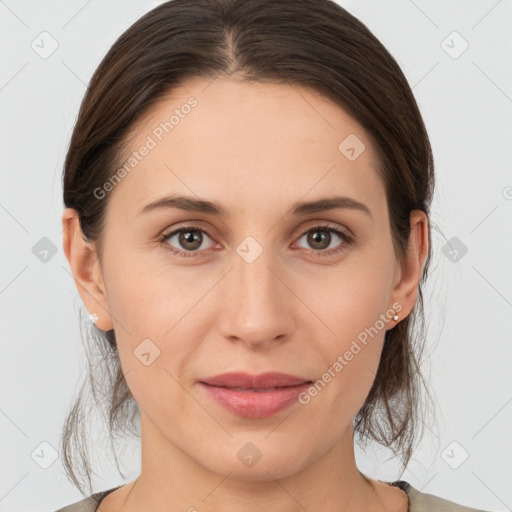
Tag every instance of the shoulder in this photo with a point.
(89, 504)
(419, 502)
(424, 502)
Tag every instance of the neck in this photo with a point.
(172, 480)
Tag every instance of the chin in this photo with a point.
(261, 471)
(252, 459)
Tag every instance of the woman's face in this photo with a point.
(259, 288)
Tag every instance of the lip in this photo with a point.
(254, 396)
(248, 381)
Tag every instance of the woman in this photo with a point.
(247, 192)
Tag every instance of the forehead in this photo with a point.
(247, 141)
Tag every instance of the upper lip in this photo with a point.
(248, 381)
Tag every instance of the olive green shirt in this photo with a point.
(418, 501)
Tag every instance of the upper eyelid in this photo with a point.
(315, 224)
(318, 224)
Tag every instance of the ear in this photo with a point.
(408, 274)
(86, 269)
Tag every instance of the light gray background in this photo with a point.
(466, 103)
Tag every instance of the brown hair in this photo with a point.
(310, 43)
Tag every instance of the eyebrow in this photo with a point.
(192, 204)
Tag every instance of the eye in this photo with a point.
(188, 237)
(320, 238)
(190, 240)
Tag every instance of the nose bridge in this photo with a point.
(255, 279)
(255, 309)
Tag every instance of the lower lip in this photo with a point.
(255, 404)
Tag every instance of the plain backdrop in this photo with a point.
(456, 56)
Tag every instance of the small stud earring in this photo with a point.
(94, 318)
(395, 318)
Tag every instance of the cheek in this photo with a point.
(351, 305)
(354, 310)
(149, 300)
(154, 316)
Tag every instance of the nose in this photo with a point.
(257, 306)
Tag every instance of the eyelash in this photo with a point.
(347, 239)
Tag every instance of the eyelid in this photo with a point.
(313, 223)
(191, 224)
(346, 236)
(324, 224)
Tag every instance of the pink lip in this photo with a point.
(246, 380)
(262, 395)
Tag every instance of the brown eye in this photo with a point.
(189, 240)
(319, 239)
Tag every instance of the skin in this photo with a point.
(255, 148)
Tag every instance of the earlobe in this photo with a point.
(406, 290)
(86, 269)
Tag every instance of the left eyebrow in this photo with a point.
(188, 203)
(192, 204)
(333, 203)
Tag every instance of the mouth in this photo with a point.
(256, 390)
(254, 396)
(262, 381)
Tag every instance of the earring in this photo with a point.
(395, 318)
(94, 318)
